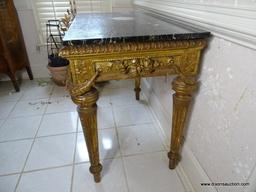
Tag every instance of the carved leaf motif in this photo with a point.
(127, 47)
(107, 67)
(138, 66)
(191, 62)
(81, 70)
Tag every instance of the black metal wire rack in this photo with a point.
(54, 36)
(55, 43)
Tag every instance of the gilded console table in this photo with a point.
(112, 46)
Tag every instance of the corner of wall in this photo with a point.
(189, 170)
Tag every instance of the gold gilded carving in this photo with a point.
(128, 60)
(184, 87)
(130, 47)
(87, 110)
(79, 67)
(138, 66)
(90, 63)
(81, 89)
(190, 64)
(79, 70)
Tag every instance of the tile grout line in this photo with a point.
(121, 154)
(41, 169)
(54, 167)
(9, 174)
(76, 136)
(132, 125)
(144, 153)
(67, 133)
(28, 116)
(20, 100)
(74, 156)
(34, 139)
(44, 136)
(79, 163)
(16, 186)
(162, 136)
(119, 157)
(24, 139)
(8, 116)
(147, 123)
(5, 120)
(155, 123)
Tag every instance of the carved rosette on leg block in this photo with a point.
(87, 110)
(184, 87)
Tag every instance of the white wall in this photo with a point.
(220, 144)
(122, 5)
(38, 55)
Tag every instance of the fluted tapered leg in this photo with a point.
(137, 88)
(183, 87)
(87, 110)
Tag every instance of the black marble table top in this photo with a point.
(128, 26)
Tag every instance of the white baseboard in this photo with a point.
(189, 169)
(194, 171)
(251, 180)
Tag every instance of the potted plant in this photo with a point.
(55, 30)
(58, 68)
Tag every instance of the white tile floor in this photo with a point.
(42, 148)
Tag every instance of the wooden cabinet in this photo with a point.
(13, 55)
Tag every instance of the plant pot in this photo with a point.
(58, 74)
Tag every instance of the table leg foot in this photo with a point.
(95, 170)
(183, 87)
(87, 110)
(173, 160)
(137, 88)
